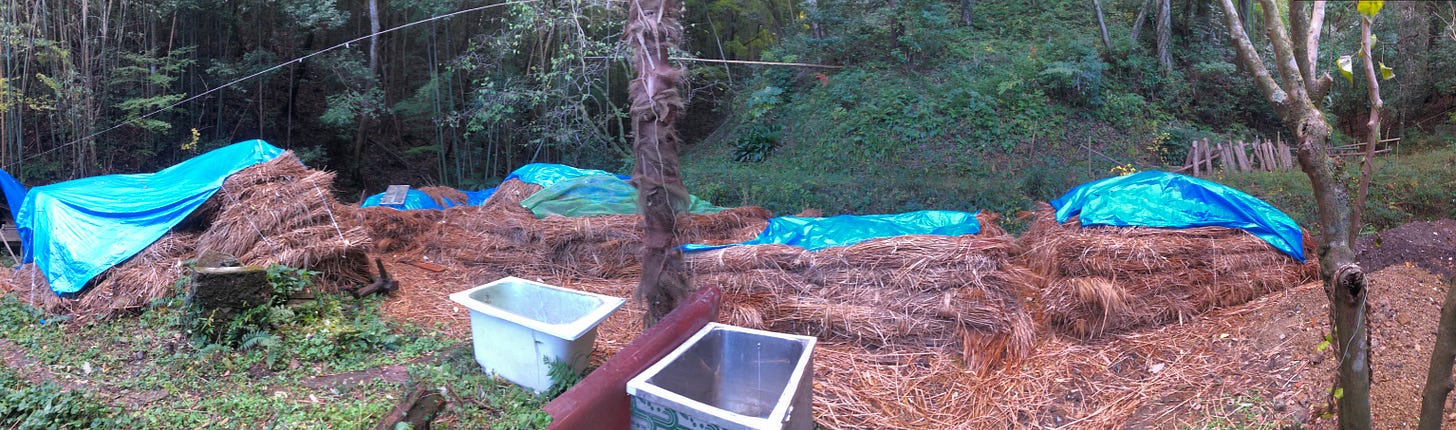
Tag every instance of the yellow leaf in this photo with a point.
(1339, 393)
(1370, 7)
(1344, 64)
(1386, 72)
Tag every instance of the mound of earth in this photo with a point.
(1430, 245)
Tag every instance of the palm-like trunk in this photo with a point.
(654, 27)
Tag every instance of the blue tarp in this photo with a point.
(815, 233)
(76, 229)
(478, 198)
(543, 174)
(413, 199)
(1162, 199)
(14, 193)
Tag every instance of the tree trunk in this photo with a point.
(1438, 376)
(1137, 23)
(1106, 41)
(968, 10)
(653, 28)
(1372, 134)
(1344, 281)
(359, 133)
(1165, 35)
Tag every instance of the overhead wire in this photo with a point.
(265, 71)
(346, 44)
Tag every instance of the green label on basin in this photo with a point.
(649, 416)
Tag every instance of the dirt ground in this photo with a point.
(1429, 245)
(1257, 365)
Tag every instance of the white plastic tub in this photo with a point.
(519, 326)
(728, 377)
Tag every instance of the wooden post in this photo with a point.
(1196, 161)
(1228, 163)
(1269, 149)
(1208, 157)
(1242, 157)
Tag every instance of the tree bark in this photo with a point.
(1137, 23)
(1438, 376)
(1344, 282)
(1165, 35)
(1106, 41)
(968, 10)
(653, 28)
(1372, 134)
(359, 133)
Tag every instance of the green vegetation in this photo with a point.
(150, 372)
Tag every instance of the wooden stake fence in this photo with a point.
(1240, 156)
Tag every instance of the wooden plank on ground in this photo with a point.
(425, 265)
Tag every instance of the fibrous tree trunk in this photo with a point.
(1293, 96)
(653, 28)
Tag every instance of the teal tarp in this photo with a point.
(1170, 200)
(814, 233)
(413, 199)
(547, 174)
(595, 195)
(14, 193)
(543, 174)
(76, 229)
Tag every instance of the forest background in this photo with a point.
(896, 105)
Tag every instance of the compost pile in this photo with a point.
(502, 234)
(277, 212)
(1107, 280)
(960, 294)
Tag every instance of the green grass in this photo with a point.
(104, 372)
(1243, 412)
(1406, 188)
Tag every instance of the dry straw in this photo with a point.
(959, 295)
(1102, 280)
(277, 212)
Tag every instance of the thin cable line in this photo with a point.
(264, 71)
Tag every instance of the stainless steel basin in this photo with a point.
(730, 377)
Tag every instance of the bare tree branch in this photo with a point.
(1283, 50)
(1250, 57)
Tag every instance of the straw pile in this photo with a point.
(440, 194)
(278, 212)
(949, 294)
(281, 212)
(510, 193)
(1103, 280)
(504, 235)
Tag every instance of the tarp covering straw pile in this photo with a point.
(277, 212)
(959, 295)
(502, 234)
(1104, 280)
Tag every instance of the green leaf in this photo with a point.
(1323, 345)
(1386, 72)
(1370, 7)
(1340, 392)
(1344, 64)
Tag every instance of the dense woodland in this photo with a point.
(896, 104)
